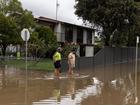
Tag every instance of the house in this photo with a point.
(68, 32)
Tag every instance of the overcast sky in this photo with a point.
(47, 8)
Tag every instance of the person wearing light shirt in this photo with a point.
(71, 61)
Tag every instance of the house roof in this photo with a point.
(45, 19)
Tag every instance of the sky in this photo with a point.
(47, 8)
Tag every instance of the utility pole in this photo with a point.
(57, 23)
(136, 70)
(25, 35)
(57, 5)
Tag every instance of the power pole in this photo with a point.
(57, 5)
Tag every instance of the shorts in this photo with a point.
(57, 64)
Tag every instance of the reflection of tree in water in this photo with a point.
(129, 90)
(116, 92)
(2, 79)
(6, 79)
(120, 91)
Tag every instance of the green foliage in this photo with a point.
(36, 46)
(7, 32)
(26, 20)
(13, 18)
(118, 39)
(47, 35)
(13, 7)
(118, 19)
(67, 49)
(7, 26)
(42, 41)
(46, 64)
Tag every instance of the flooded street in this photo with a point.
(110, 85)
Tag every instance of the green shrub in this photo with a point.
(67, 48)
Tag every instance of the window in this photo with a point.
(89, 37)
(79, 35)
(69, 33)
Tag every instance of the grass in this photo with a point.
(33, 65)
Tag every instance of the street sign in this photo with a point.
(25, 34)
(137, 39)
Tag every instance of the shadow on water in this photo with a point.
(110, 85)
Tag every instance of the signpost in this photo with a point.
(25, 35)
(136, 70)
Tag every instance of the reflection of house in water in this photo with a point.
(7, 77)
(68, 32)
(2, 79)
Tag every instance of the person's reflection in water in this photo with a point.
(71, 88)
(56, 92)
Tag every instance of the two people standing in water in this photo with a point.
(57, 61)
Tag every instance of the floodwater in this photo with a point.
(107, 85)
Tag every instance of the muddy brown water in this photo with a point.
(106, 85)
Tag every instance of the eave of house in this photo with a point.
(53, 21)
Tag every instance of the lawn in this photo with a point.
(33, 65)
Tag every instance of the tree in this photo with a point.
(7, 32)
(37, 46)
(118, 18)
(47, 37)
(13, 19)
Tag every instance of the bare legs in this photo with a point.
(70, 70)
(57, 72)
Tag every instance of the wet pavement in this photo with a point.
(106, 85)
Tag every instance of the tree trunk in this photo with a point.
(107, 39)
(4, 50)
(106, 43)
